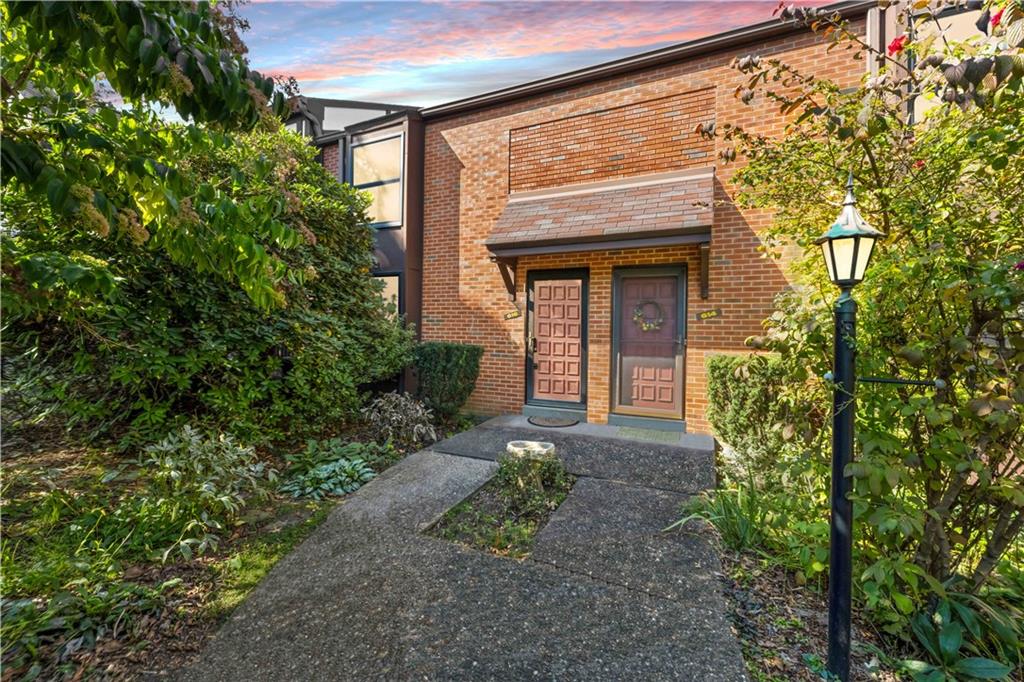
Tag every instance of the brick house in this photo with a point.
(584, 233)
(581, 230)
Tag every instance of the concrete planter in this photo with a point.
(531, 449)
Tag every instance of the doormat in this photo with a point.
(552, 422)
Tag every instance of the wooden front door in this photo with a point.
(649, 342)
(556, 352)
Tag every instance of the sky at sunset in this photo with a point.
(423, 53)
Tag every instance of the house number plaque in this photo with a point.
(709, 314)
(513, 314)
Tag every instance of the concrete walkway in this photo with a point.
(605, 595)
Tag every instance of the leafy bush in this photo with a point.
(532, 484)
(401, 419)
(505, 515)
(447, 374)
(340, 477)
(170, 345)
(215, 472)
(965, 636)
(333, 467)
(200, 481)
(937, 488)
(740, 386)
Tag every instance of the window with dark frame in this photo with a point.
(376, 167)
(391, 293)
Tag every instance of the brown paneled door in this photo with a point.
(649, 342)
(556, 357)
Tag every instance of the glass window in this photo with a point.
(387, 203)
(377, 169)
(390, 291)
(377, 161)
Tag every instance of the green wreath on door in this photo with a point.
(648, 323)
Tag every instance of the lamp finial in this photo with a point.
(850, 199)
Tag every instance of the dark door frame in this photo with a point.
(682, 328)
(582, 274)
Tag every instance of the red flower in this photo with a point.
(897, 45)
(997, 17)
(919, 164)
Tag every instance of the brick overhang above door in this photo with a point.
(646, 210)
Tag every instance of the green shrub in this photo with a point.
(401, 419)
(532, 484)
(752, 414)
(333, 467)
(340, 477)
(320, 452)
(196, 484)
(447, 374)
(505, 515)
(172, 345)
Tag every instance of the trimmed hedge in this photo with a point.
(447, 374)
(744, 407)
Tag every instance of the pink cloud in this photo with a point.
(467, 32)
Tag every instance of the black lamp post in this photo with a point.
(847, 248)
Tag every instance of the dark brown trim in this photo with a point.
(674, 53)
(507, 268)
(510, 251)
(705, 267)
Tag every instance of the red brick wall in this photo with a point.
(331, 158)
(646, 137)
(466, 188)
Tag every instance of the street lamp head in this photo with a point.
(848, 244)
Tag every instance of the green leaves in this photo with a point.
(98, 168)
(173, 332)
(982, 668)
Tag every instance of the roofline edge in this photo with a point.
(732, 38)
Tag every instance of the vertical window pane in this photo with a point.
(377, 161)
(390, 291)
(863, 256)
(387, 203)
(843, 250)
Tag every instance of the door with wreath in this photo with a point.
(649, 342)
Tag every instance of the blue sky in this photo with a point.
(423, 53)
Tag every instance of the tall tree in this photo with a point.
(86, 89)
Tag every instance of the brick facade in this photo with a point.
(473, 160)
(644, 137)
(330, 157)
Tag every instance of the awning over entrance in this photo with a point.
(651, 210)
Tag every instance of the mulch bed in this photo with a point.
(783, 626)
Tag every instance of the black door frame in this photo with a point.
(582, 274)
(682, 328)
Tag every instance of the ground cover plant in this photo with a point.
(505, 515)
(938, 481)
(114, 563)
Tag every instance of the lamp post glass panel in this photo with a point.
(847, 248)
